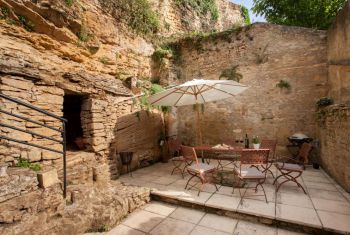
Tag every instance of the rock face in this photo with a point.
(264, 54)
(18, 182)
(177, 19)
(334, 121)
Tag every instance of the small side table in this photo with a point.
(126, 158)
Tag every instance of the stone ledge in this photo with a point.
(242, 216)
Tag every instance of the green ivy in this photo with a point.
(202, 7)
(26, 164)
(245, 14)
(69, 2)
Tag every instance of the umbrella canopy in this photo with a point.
(197, 91)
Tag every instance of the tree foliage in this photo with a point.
(306, 13)
(245, 14)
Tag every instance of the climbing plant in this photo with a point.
(148, 89)
(202, 7)
(231, 74)
(171, 50)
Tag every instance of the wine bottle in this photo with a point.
(246, 141)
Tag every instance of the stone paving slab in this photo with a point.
(325, 199)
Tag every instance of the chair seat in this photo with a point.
(289, 166)
(201, 167)
(250, 173)
(179, 158)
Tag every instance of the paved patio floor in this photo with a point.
(159, 218)
(326, 205)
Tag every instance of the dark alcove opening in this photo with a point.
(72, 112)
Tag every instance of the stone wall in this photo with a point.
(48, 98)
(265, 54)
(339, 57)
(24, 206)
(334, 127)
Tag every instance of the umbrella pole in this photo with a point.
(199, 129)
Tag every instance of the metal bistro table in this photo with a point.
(221, 154)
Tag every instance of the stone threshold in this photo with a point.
(293, 226)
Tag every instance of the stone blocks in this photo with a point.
(48, 178)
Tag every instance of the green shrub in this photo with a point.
(283, 84)
(24, 163)
(324, 101)
(231, 74)
(84, 35)
(27, 24)
(202, 7)
(172, 49)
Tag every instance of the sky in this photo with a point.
(249, 4)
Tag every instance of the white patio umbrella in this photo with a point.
(197, 91)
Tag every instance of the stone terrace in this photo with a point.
(326, 206)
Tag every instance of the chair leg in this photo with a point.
(189, 180)
(290, 178)
(277, 177)
(177, 167)
(261, 184)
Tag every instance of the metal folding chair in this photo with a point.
(288, 169)
(174, 148)
(196, 169)
(248, 158)
(269, 144)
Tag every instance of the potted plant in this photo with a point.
(256, 142)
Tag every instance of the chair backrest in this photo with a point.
(174, 146)
(269, 144)
(189, 153)
(254, 156)
(304, 152)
